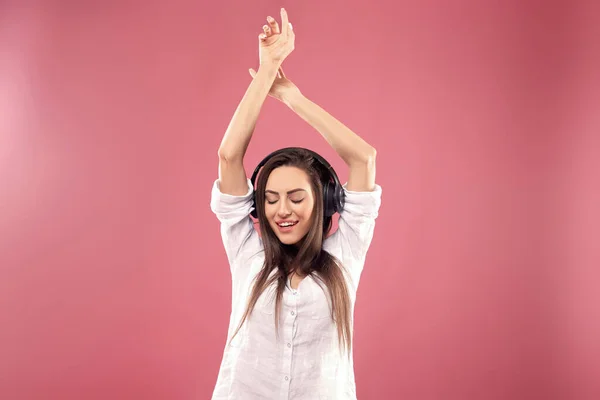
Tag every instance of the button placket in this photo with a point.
(289, 324)
(293, 313)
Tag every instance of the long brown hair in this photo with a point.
(306, 257)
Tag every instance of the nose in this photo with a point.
(284, 209)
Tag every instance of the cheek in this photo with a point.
(305, 211)
(269, 214)
(270, 210)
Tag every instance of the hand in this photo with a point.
(275, 44)
(282, 87)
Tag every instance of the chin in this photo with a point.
(289, 241)
(285, 239)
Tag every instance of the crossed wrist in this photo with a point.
(291, 97)
(270, 65)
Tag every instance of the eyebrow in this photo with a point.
(289, 192)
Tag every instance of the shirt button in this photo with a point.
(289, 345)
(286, 378)
(293, 313)
(294, 293)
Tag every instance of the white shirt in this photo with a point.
(305, 362)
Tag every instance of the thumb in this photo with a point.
(252, 72)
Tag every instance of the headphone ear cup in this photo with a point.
(328, 200)
(340, 198)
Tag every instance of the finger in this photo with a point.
(252, 72)
(262, 37)
(273, 24)
(267, 30)
(285, 23)
(281, 72)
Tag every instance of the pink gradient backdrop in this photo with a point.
(482, 279)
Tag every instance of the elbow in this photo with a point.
(364, 157)
(371, 155)
(368, 156)
(228, 156)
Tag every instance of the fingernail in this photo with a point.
(282, 9)
(269, 18)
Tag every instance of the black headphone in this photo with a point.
(333, 192)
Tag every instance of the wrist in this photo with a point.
(270, 67)
(292, 98)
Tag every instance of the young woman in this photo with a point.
(294, 287)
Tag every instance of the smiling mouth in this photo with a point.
(287, 224)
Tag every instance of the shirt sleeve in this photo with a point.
(351, 241)
(240, 239)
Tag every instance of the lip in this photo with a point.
(285, 229)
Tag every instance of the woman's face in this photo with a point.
(289, 203)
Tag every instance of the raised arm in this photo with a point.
(356, 153)
(273, 49)
(232, 176)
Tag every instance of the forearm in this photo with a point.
(349, 146)
(240, 129)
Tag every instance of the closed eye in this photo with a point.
(293, 201)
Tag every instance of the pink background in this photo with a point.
(482, 279)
